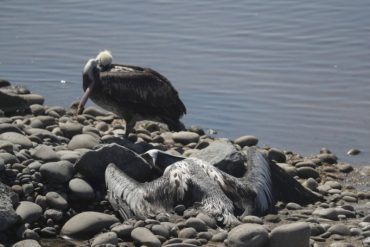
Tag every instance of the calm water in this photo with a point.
(294, 73)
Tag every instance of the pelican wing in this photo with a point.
(141, 87)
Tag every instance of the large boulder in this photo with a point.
(8, 217)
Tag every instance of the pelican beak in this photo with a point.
(84, 98)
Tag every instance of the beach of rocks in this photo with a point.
(50, 197)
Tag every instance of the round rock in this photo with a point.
(16, 138)
(291, 235)
(87, 224)
(57, 172)
(277, 155)
(197, 224)
(55, 200)
(247, 140)
(45, 153)
(83, 141)
(145, 237)
(105, 238)
(80, 189)
(185, 137)
(29, 211)
(27, 243)
(248, 235)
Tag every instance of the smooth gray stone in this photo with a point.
(94, 111)
(340, 229)
(54, 214)
(71, 129)
(42, 134)
(307, 172)
(80, 189)
(93, 163)
(56, 201)
(123, 231)
(210, 222)
(341, 244)
(45, 153)
(29, 211)
(9, 158)
(11, 104)
(16, 138)
(197, 224)
(7, 127)
(252, 219)
(83, 141)
(32, 99)
(276, 155)
(87, 224)
(247, 140)
(219, 237)
(8, 216)
(224, 156)
(105, 238)
(37, 109)
(27, 243)
(47, 120)
(185, 137)
(6, 146)
(327, 213)
(57, 172)
(248, 235)
(58, 109)
(188, 232)
(291, 235)
(145, 237)
(161, 230)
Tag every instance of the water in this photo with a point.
(294, 73)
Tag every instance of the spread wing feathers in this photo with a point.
(141, 86)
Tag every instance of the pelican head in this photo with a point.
(90, 71)
(104, 58)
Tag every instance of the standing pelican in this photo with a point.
(132, 92)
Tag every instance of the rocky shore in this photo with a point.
(50, 197)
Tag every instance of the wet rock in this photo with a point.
(56, 201)
(247, 140)
(224, 156)
(16, 138)
(80, 189)
(29, 211)
(105, 238)
(45, 153)
(83, 141)
(145, 237)
(87, 224)
(248, 235)
(291, 235)
(8, 216)
(57, 172)
(185, 137)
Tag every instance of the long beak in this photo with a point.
(84, 98)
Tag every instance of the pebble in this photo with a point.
(197, 224)
(71, 129)
(252, 219)
(45, 153)
(276, 155)
(293, 206)
(341, 244)
(57, 172)
(161, 230)
(17, 138)
(86, 224)
(123, 231)
(327, 213)
(185, 137)
(247, 140)
(145, 237)
(53, 214)
(27, 243)
(56, 201)
(28, 211)
(307, 172)
(210, 222)
(219, 237)
(188, 232)
(80, 189)
(291, 235)
(83, 141)
(248, 235)
(339, 229)
(105, 238)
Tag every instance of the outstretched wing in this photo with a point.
(142, 87)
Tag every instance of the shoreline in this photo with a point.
(40, 145)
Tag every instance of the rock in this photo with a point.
(55, 215)
(27, 243)
(32, 99)
(16, 138)
(307, 172)
(87, 224)
(311, 184)
(6, 127)
(11, 104)
(57, 172)
(328, 158)
(224, 156)
(71, 129)
(353, 151)
(340, 229)
(246, 141)
(8, 216)
(248, 235)
(83, 141)
(45, 153)
(42, 134)
(276, 155)
(37, 109)
(197, 224)
(94, 111)
(219, 237)
(29, 211)
(293, 206)
(252, 219)
(145, 237)
(161, 230)
(93, 163)
(123, 231)
(185, 137)
(81, 190)
(188, 232)
(327, 213)
(105, 238)
(291, 235)
(210, 222)
(341, 244)
(55, 200)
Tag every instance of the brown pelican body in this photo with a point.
(132, 92)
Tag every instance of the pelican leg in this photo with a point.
(130, 124)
